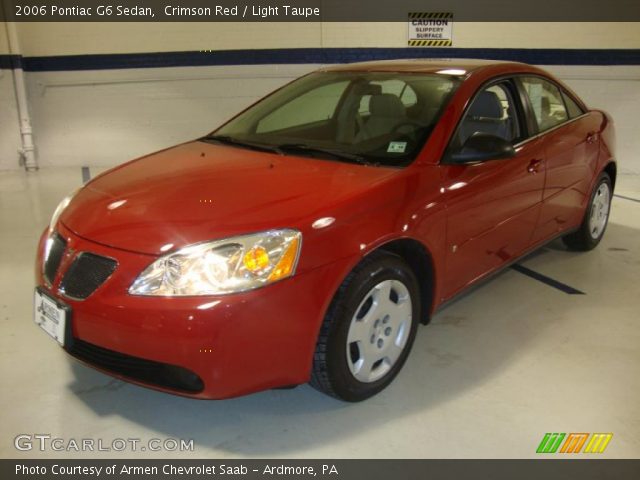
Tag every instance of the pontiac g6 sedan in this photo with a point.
(306, 239)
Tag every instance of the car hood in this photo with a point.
(200, 191)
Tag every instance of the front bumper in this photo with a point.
(235, 344)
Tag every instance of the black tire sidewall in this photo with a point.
(342, 381)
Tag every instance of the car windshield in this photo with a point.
(376, 118)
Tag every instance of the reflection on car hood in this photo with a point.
(198, 191)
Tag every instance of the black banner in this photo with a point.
(318, 10)
(543, 469)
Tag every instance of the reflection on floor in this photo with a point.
(494, 372)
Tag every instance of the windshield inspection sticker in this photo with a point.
(397, 147)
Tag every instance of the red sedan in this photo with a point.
(306, 239)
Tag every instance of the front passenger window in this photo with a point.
(492, 112)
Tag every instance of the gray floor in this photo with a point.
(494, 371)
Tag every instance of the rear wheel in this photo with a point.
(596, 218)
(369, 329)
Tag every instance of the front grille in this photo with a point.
(145, 371)
(87, 272)
(55, 249)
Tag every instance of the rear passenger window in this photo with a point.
(572, 107)
(546, 101)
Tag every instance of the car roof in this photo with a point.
(465, 68)
(428, 65)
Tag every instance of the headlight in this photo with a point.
(60, 208)
(223, 266)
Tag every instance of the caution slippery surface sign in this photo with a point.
(430, 29)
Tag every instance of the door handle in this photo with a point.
(534, 165)
(592, 137)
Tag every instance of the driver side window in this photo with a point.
(492, 112)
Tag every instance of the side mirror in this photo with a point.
(482, 146)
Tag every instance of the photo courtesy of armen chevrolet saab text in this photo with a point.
(306, 239)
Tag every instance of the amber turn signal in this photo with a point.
(256, 259)
(287, 263)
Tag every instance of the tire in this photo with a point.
(595, 220)
(368, 330)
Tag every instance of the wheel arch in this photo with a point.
(419, 259)
(611, 169)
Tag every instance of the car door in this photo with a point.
(571, 153)
(493, 205)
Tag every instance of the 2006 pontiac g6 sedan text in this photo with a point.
(306, 239)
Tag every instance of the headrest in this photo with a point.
(545, 105)
(386, 105)
(361, 88)
(486, 105)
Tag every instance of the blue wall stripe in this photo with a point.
(8, 62)
(317, 55)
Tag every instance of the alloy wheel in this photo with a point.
(599, 210)
(379, 331)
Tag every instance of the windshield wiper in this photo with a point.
(304, 148)
(226, 139)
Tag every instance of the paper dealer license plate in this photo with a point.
(51, 315)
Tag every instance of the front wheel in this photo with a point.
(596, 218)
(369, 329)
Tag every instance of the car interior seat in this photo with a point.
(387, 112)
(485, 116)
(546, 120)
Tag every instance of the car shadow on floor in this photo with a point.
(457, 354)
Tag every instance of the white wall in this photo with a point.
(9, 126)
(38, 39)
(108, 116)
(92, 37)
(616, 90)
